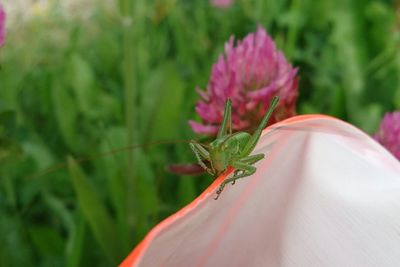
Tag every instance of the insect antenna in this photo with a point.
(111, 152)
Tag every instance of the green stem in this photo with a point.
(128, 70)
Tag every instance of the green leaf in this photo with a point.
(397, 98)
(95, 214)
(186, 190)
(39, 152)
(47, 241)
(145, 190)
(351, 57)
(82, 81)
(15, 249)
(374, 114)
(76, 228)
(8, 145)
(75, 244)
(166, 108)
(7, 122)
(114, 168)
(65, 112)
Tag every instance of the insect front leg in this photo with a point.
(246, 170)
(201, 153)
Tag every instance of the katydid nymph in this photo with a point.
(228, 149)
(232, 149)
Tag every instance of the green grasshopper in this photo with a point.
(231, 149)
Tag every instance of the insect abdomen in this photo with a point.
(239, 141)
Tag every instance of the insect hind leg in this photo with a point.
(252, 159)
(246, 170)
(248, 160)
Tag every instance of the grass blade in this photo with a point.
(95, 213)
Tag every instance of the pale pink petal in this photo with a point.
(325, 197)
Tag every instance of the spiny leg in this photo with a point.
(200, 152)
(257, 133)
(247, 171)
(248, 160)
(226, 125)
(252, 159)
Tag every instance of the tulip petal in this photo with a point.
(325, 197)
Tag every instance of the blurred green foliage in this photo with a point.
(77, 88)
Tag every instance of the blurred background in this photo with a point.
(82, 79)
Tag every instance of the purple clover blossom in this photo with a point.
(2, 25)
(250, 73)
(388, 134)
(221, 3)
